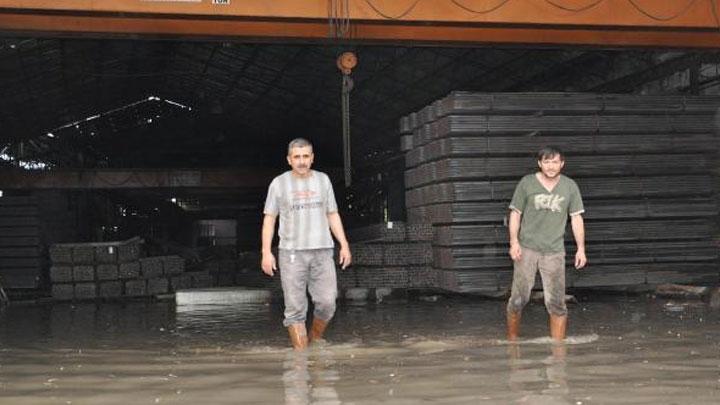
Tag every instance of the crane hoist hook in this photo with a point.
(346, 62)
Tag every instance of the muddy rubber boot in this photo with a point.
(317, 330)
(558, 324)
(298, 336)
(513, 325)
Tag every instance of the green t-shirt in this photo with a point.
(545, 213)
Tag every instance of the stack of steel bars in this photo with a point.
(646, 165)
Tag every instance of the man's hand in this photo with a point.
(513, 230)
(345, 257)
(580, 259)
(268, 264)
(515, 251)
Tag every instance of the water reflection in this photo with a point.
(539, 382)
(449, 351)
(246, 325)
(309, 378)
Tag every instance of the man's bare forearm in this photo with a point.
(268, 231)
(514, 227)
(578, 228)
(336, 227)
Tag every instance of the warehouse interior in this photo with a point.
(174, 138)
(138, 139)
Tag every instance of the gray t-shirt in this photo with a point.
(303, 205)
(545, 213)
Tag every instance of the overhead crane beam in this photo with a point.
(135, 178)
(613, 23)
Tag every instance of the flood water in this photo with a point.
(620, 350)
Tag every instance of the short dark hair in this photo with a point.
(549, 152)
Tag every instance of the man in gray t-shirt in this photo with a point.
(539, 210)
(305, 202)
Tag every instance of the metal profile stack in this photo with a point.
(20, 243)
(647, 167)
(390, 255)
(111, 270)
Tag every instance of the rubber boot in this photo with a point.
(513, 325)
(298, 336)
(558, 324)
(317, 330)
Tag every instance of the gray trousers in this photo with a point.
(552, 272)
(310, 270)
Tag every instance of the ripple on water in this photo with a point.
(570, 340)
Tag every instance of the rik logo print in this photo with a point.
(548, 202)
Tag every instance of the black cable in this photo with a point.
(332, 10)
(331, 19)
(111, 183)
(344, 26)
(559, 6)
(401, 15)
(656, 18)
(489, 10)
(574, 10)
(339, 18)
(713, 6)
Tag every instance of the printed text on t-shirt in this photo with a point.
(548, 202)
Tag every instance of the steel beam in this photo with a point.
(136, 179)
(613, 23)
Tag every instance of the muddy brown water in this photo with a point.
(620, 350)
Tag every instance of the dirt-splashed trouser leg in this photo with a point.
(307, 270)
(552, 272)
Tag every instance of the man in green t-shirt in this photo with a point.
(539, 210)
